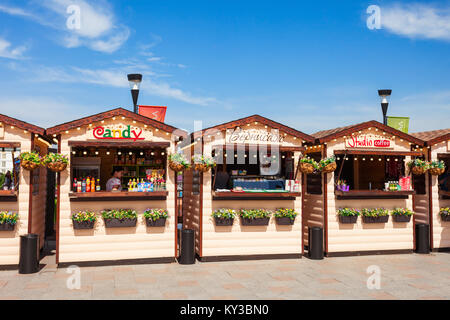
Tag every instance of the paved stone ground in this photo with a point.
(402, 277)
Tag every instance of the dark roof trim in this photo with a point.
(21, 124)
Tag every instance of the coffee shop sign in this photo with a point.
(368, 141)
(254, 136)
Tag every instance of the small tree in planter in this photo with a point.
(119, 218)
(30, 160)
(418, 167)
(379, 215)
(402, 215)
(445, 214)
(8, 220)
(347, 215)
(55, 162)
(327, 165)
(156, 217)
(203, 163)
(255, 217)
(437, 168)
(178, 162)
(284, 216)
(308, 165)
(83, 220)
(224, 217)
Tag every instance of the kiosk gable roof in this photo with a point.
(434, 136)
(327, 135)
(262, 120)
(21, 124)
(109, 114)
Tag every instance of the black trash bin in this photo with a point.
(29, 254)
(315, 243)
(187, 255)
(422, 238)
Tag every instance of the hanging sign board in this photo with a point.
(399, 123)
(153, 112)
(254, 136)
(120, 132)
(368, 141)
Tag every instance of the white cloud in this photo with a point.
(15, 11)
(6, 51)
(417, 21)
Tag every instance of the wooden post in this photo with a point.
(30, 196)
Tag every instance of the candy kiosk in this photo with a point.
(242, 195)
(23, 186)
(368, 199)
(117, 198)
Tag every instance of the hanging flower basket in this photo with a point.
(201, 167)
(348, 215)
(307, 168)
(178, 162)
(29, 160)
(379, 215)
(328, 165)
(122, 218)
(83, 220)
(285, 216)
(418, 170)
(156, 217)
(176, 166)
(223, 221)
(255, 217)
(437, 168)
(57, 166)
(203, 163)
(418, 167)
(331, 167)
(224, 217)
(55, 162)
(29, 165)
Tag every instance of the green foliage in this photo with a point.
(8, 217)
(377, 212)
(310, 161)
(224, 213)
(82, 216)
(348, 212)
(285, 212)
(254, 213)
(30, 156)
(418, 163)
(156, 214)
(55, 157)
(445, 211)
(402, 212)
(324, 162)
(206, 160)
(179, 158)
(119, 214)
(437, 164)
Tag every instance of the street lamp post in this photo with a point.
(384, 96)
(135, 80)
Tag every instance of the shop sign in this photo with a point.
(368, 142)
(254, 136)
(120, 132)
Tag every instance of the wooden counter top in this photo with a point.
(255, 195)
(444, 194)
(8, 196)
(117, 196)
(373, 194)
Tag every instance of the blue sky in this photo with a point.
(309, 65)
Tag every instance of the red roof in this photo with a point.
(21, 124)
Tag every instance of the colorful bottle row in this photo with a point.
(88, 184)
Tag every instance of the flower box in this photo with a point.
(161, 222)
(79, 225)
(445, 217)
(401, 218)
(255, 221)
(381, 219)
(223, 221)
(7, 227)
(120, 223)
(348, 219)
(284, 221)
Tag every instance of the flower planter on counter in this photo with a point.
(445, 217)
(117, 223)
(401, 218)
(255, 221)
(284, 221)
(382, 219)
(223, 221)
(79, 225)
(348, 219)
(155, 223)
(7, 227)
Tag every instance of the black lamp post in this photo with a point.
(135, 80)
(384, 95)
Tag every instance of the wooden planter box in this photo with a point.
(155, 223)
(116, 223)
(223, 221)
(255, 222)
(284, 221)
(445, 217)
(7, 227)
(79, 225)
(401, 218)
(382, 219)
(348, 219)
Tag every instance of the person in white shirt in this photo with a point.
(114, 183)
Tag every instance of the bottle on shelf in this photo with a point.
(79, 186)
(92, 185)
(88, 184)
(83, 185)
(74, 185)
(97, 186)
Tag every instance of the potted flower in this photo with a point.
(203, 163)
(178, 162)
(119, 218)
(83, 220)
(402, 215)
(30, 160)
(308, 165)
(445, 214)
(156, 217)
(284, 216)
(255, 217)
(224, 217)
(417, 166)
(347, 215)
(55, 162)
(436, 168)
(8, 220)
(328, 165)
(341, 185)
(378, 215)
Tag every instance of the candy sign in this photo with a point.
(368, 141)
(125, 132)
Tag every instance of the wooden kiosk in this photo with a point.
(28, 196)
(96, 144)
(238, 181)
(368, 155)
